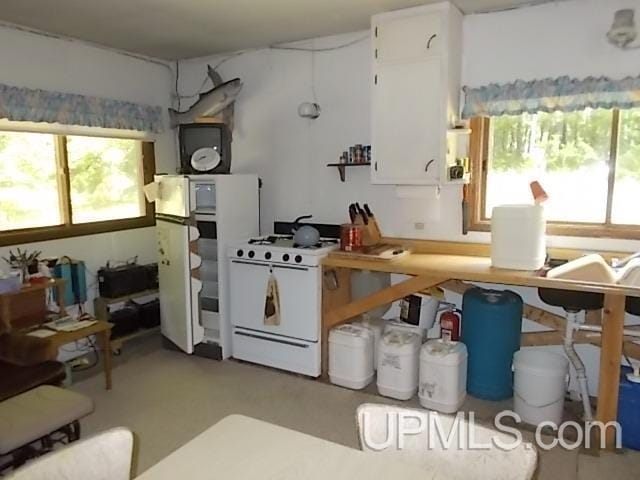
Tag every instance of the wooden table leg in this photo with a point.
(105, 346)
(610, 355)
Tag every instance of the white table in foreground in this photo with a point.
(242, 448)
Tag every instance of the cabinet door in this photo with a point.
(408, 128)
(403, 38)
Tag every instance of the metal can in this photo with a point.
(352, 154)
(350, 237)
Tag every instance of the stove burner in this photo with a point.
(323, 243)
(286, 241)
(270, 240)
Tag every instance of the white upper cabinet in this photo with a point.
(408, 38)
(415, 92)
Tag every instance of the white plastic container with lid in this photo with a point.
(376, 325)
(518, 240)
(398, 360)
(351, 356)
(400, 326)
(539, 385)
(443, 375)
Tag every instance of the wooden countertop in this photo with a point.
(470, 268)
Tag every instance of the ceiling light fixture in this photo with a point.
(623, 30)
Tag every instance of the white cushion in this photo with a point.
(105, 456)
(378, 433)
(38, 412)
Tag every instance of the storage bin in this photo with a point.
(419, 310)
(491, 326)
(148, 313)
(376, 325)
(443, 375)
(125, 320)
(628, 408)
(539, 385)
(351, 356)
(398, 364)
(518, 239)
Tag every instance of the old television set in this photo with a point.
(205, 148)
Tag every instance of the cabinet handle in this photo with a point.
(375, 166)
(426, 168)
(430, 40)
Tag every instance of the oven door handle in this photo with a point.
(244, 262)
(287, 267)
(269, 339)
(269, 265)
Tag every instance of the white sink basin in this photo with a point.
(590, 268)
(630, 274)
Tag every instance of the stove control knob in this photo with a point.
(267, 255)
(240, 253)
(251, 254)
(285, 257)
(298, 259)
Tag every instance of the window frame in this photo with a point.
(69, 229)
(479, 157)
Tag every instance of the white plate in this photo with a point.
(205, 159)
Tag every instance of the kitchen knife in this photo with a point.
(376, 233)
(352, 213)
(365, 217)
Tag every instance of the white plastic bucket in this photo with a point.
(539, 385)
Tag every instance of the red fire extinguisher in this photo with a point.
(450, 323)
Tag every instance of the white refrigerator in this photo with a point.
(197, 217)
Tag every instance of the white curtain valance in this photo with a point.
(32, 105)
(551, 94)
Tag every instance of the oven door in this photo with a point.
(299, 289)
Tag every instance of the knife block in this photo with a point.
(371, 234)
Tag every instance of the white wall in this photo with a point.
(550, 40)
(35, 61)
(290, 153)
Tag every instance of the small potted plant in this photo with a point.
(24, 262)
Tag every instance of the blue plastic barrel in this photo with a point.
(628, 408)
(491, 326)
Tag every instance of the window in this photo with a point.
(588, 162)
(55, 186)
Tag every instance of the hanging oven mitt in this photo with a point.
(272, 302)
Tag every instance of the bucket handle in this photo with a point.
(537, 406)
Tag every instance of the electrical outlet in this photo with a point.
(418, 226)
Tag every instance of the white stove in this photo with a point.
(282, 249)
(294, 343)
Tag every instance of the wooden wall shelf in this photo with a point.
(342, 167)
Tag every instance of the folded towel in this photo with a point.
(272, 302)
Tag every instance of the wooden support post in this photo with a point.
(336, 292)
(612, 334)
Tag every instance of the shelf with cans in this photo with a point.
(356, 156)
(457, 163)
